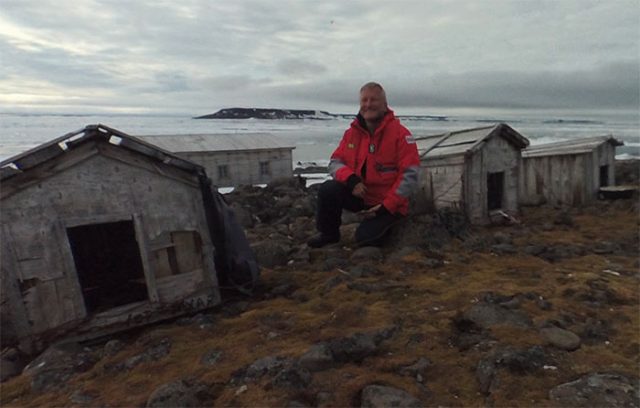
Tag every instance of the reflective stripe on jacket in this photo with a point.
(391, 159)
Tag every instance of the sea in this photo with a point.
(315, 139)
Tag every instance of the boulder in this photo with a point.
(317, 358)
(211, 357)
(12, 361)
(379, 396)
(293, 377)
(561, 338)
(181, 393)
(485, 315)
(598, 390)
(354, 348)
(57, 364)
(366, 254)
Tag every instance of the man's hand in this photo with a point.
(371, 212)
(359, 190)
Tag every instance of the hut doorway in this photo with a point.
(604, 176)
(495, 190)
(108, 263)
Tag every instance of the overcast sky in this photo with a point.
(197, 56)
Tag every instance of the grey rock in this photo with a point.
(378, 396)
(332, 263)
(564, 218)
(243, 215)
(605, 247)
(502, 238)
(182, 393)
(366, 254)
(534, 250)
(598, 390)
(521, 361)
(324, 399)
(485, 374)
(269, 365)
(82, 398)
(354, 348)
(367, 287)
(561, 338)
(485, 315)
(57, 364)
(431, 263)
(332, 283)
(12, 362)
(503, 249)
(418, 368)
(292, 377)
(211, 357)
(113, 347)
(273, 252)
(317, 358)
(282, 290)
(364, 271)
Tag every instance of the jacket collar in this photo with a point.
(360, 123)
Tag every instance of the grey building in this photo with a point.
(100, 231)
(232, 159)
(473, 170)
(569, 172)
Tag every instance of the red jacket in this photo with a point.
(386, 162)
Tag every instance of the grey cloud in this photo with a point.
(614, 85)
(298, 67)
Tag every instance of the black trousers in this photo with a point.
(333, 197)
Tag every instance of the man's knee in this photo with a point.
(374, 231)
(330, 189)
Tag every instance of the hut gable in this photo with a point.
(568, 172)
(101, 231)
(475, 170)
(232, 159)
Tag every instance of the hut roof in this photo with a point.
(217, 142)
(577, 146)
(26, 160)
(466, 140)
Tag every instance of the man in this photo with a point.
(374, 170)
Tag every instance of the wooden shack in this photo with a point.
(473, 170)
(100, 232)
(569, 172)
(232, 159)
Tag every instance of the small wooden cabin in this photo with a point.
(100, 232)
(474, 170)
(232, 159)
(569, 172)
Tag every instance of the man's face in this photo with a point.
(372, 104)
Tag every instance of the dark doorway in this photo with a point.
(495, 190)
(108, 263)
(604, 176)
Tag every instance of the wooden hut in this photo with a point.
(232, 159)
(100, 231)
(474, 170)
(568, 173)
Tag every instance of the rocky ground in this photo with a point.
(544, 312)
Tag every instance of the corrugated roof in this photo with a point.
(26, 160)
(463, 141)
(217, 142)
(577, 146)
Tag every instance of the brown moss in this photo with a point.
(421, 302)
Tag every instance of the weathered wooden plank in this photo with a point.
(176, 287)
(143, 246)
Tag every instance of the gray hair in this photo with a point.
(375, 85)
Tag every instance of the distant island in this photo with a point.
(267, 113)
(273, 113)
